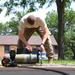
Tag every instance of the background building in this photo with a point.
(7, 42)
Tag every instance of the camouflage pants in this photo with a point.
(28, 33)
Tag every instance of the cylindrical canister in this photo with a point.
(29, 58)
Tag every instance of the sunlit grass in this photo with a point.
(63, 62)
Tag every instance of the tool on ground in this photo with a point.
(25, 57)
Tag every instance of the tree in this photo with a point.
(69, 30)
(13, 5)
(60, 10)
(61, 5)
(52, 22)
(13, 27)
(3, 29)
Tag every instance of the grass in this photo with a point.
(63, 62)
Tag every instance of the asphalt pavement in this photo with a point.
(38, 70)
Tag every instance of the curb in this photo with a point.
(57, 65)
(46, 65)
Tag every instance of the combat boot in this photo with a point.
(50, 60)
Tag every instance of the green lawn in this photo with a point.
(63, 62)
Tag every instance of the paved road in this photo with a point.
(37, 71)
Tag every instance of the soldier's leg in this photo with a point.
(47, 45)
(49, 49)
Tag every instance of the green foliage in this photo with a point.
(52, 22)
(61, 62)
(25, 5)
(13, 26)
(69, 32)
(3, 29)
(13, 5)
(68, 53)
(0, 10)
(9, 28)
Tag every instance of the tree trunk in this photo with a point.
(73, 49)
(74, 56)
(60, 10)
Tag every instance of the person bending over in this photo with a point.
(30, 23)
